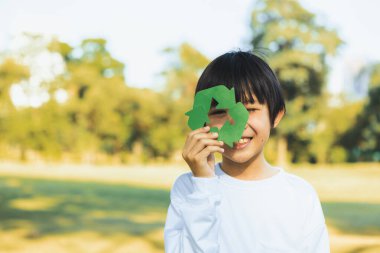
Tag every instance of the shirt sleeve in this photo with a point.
(193, 219)
(316, 237)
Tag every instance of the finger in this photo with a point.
(199, 142)
(202, 143)
(207, 151)
(194, 132)
(199, 136)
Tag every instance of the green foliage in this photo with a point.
(332, 124)
(151, 122)
(94, 82)
(103, 118)
(363, 139)
(182, 77)
(10, 73)
(338, 154)
(42, 129)
(299, 50)
(101, 115)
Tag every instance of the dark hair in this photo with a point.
(249, 75)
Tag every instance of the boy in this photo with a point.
(242, 204)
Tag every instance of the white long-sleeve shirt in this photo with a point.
(224, 214)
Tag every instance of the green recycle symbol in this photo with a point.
(198, 116)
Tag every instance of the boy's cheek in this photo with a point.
(259, 121)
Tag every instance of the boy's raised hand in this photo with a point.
(199, 149)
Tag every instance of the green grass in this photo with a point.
(105, 209)
(77, 216)
(353, 218)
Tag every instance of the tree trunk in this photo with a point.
(22, 153)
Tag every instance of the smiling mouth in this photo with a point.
(242, 143)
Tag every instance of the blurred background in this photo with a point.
(92, 103)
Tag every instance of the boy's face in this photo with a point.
(255, 135)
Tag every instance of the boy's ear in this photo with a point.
(278, 118)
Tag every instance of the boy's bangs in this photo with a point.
(245, 91)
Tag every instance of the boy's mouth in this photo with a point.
(242, 143)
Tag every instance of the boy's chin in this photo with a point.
(239, 157)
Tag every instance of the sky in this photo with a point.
(138, 31)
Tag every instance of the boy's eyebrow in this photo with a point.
(255, 105)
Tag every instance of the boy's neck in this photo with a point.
(254, 169)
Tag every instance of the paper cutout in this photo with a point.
(198, 116)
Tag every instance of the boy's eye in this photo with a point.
(251, 109)
(217, 112)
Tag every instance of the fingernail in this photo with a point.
(214, 134)
(222, 150)
(221, 142)
(206, 127)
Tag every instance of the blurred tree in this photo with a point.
(95, 85)
(183, 75)
(300, 49)
(363, 139)
(181, 80)
(10, 73)
(332, 124)
(99, 112)
(126, 121)
(43, 129)
(150, 115)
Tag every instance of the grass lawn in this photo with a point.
(99, 214)
(39, 215)
(350, 196)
